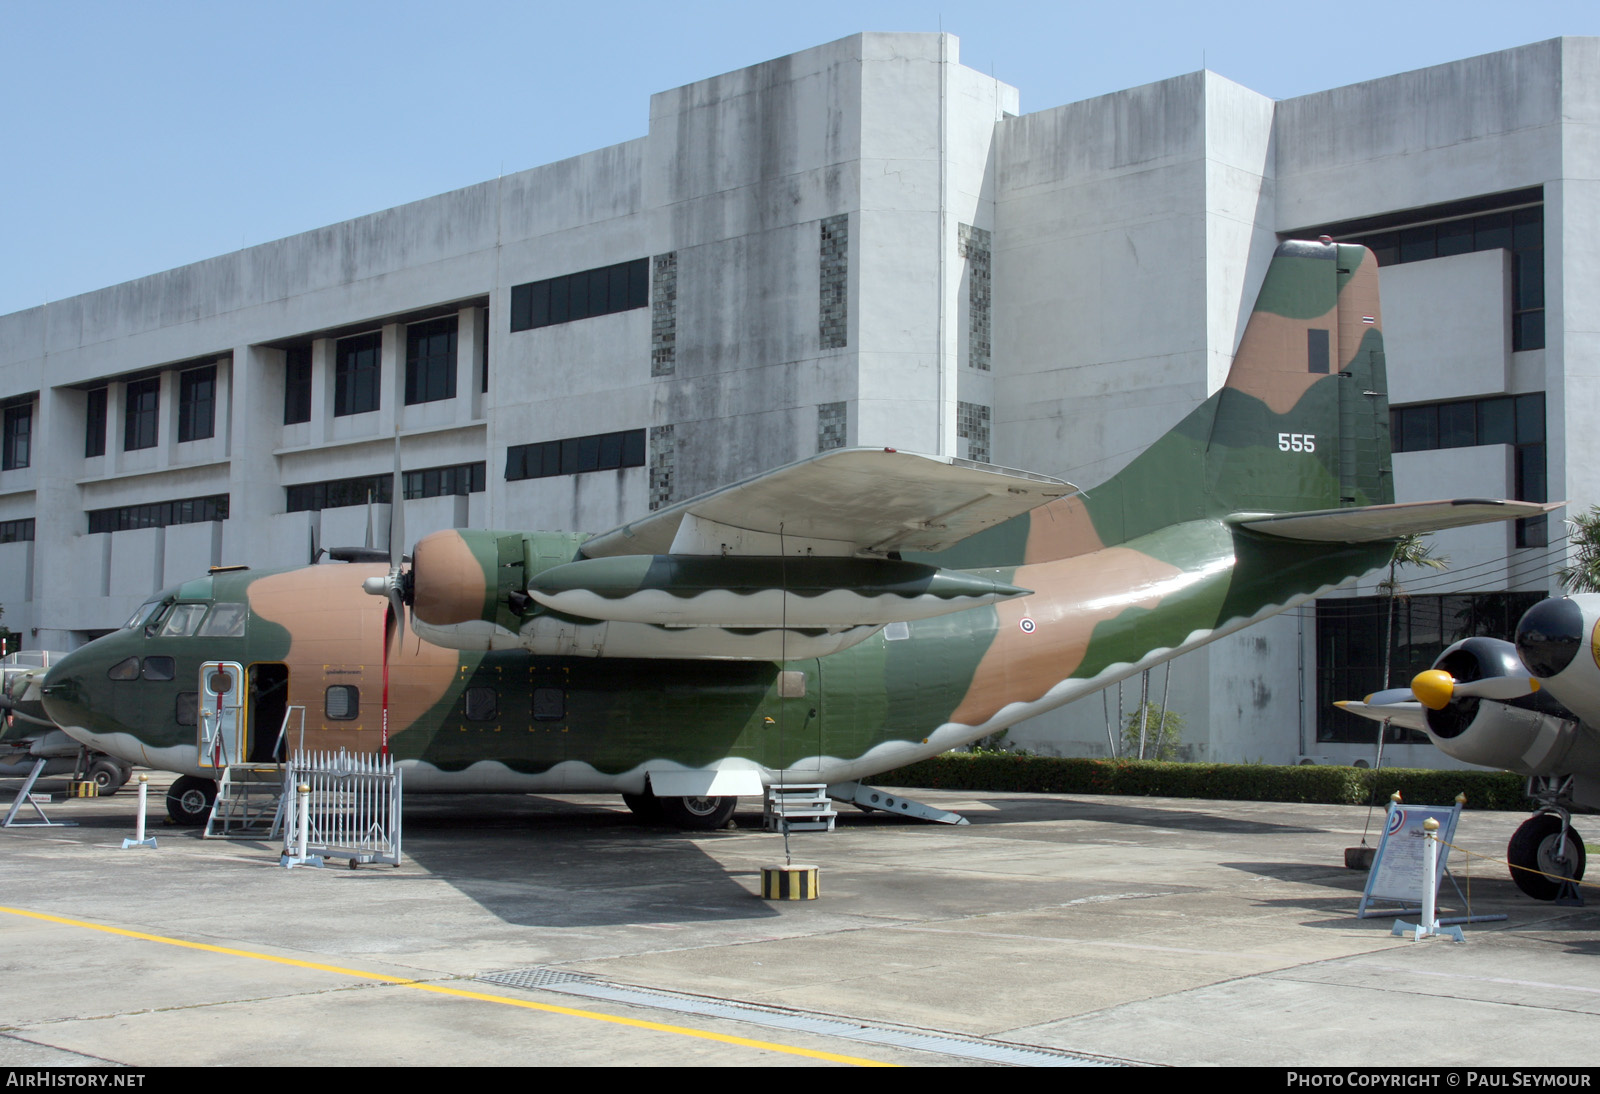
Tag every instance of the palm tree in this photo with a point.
(1410, 550)
(1581, 574)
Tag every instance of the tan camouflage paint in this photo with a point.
(336, 637)
(455, 589)
(1071, 597)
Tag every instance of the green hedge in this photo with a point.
(1323, 784)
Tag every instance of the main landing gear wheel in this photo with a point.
(1537, 845)
(647, 807)
(107, 776)
(699, 814)
(189, 800)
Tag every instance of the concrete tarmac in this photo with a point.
(1055, 930)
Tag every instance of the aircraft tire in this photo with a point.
(1534, 846)
(647, 807)
(107, 775)
(189, 800)
(698, 814)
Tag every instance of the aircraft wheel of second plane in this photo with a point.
(189, 800)
(700, 814)
(1536, 846)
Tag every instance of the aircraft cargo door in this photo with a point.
(222, 713)
(796, 733)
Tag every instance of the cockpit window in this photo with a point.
(143, 615)
(159, 668)
(126, 669)
(225, 621)
(182, 620)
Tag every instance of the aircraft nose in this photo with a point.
(63, 691)
(1549, 635)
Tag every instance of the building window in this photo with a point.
(1350, 646)
(431, 361)
(584, 295)
(437, 482)
(159, 514)
(574, 455)
(141, 414)
(16, 531)
(197, 403)
(18, 445)
(356, 366)
(94, 423)
(1513, 222)
(340, 493)
(297, 385)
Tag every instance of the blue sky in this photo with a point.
(144, 136)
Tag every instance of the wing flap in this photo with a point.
(1364, 524)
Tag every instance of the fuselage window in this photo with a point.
(126, 669)
(482, 705)
(342, 703)
(225, 621)
(183, 620)
(549, 704)
(188, 711)
(159, 668)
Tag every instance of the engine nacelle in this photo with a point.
(1533, 735)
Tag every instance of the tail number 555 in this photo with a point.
(1297, 442)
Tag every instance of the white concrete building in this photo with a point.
(862, 243)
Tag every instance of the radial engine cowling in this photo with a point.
(1531, 735)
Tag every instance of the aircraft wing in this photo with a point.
(1364, 524)
(841, 503)
(1398, 710)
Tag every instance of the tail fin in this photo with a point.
(1302, 422)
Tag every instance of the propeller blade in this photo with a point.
(1390, 697)
(397, 541)
(388, 630)
(1436, 688)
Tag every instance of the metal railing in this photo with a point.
(353, 806)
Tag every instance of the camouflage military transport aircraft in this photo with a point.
(1533, 707)
(819, 623)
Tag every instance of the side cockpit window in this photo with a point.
(183, 620)
(225, 621)
(146, 612)
(159, 668)
(126, 669)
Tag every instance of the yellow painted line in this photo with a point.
(438, 989)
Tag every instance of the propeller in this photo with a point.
(1435, 688)
(392, 586)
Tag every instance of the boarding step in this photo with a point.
(798, 808)
(249, 803)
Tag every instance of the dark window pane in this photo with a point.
(159, 668)
(549, 459)
(1496, 421)
(610, 452)
(356, 363)
(126, 669)
(569, 455)
(1458, 425)
(1531, 473)
(431, 361)
(559, 288)
(638, 283)
(16, 452)
(187, 710)
(521, 307)
(633, 448)
(1530, 418)
(94, 423)
(1527, 330)
(1492, 230)
(1455, 238)
(1527, 228)
(1533, 532)
(297, 385)
(539, 304)
(197, 400)
(588, 453)
(599, 292)
(1417, 244)
(140, 415)
(1419, 426)
(1529, 288)
(618, 290)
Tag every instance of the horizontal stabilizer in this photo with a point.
(838, 503)
(1367, 523)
